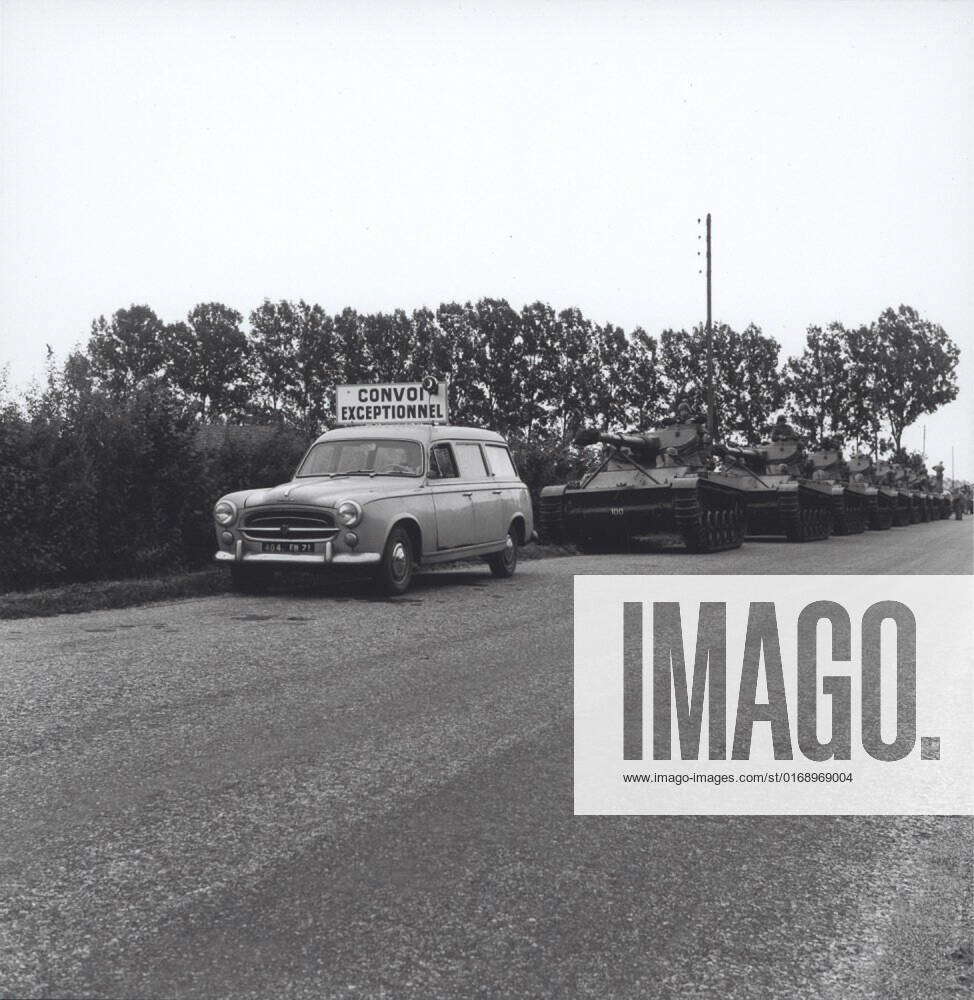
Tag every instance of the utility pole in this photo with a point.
(924, 449)
(711, 416)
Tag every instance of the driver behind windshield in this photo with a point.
(394, 461)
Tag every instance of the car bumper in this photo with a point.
(328, 557)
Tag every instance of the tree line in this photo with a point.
(110, 465)
(528, 373)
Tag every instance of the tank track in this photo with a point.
(847, 518)
(708, 523)
(803, 523)
(880, 514)
(902, 512)
(551, 519)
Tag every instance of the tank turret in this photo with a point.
(857, 506)
(784, 497)
(651, 486)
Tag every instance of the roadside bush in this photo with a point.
(97, 484)
(236, 458)
(544, 462)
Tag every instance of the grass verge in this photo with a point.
(102, 595)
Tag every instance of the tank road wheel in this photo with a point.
(794, 524)
(739, 522)
(840, 516)
(551, 519)
(591, 547)
(502, 564)
(395, 572)
(713, 531)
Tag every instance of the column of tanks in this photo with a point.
(674, 483)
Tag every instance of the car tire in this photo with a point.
(249, 580)
(502, 564)
(395, 572)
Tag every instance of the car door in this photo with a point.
(488, 502)
(506, 488)
(452, 500)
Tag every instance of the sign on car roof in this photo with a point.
(392, 403)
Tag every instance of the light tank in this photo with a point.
(858, 505)
(918, 482)
(781, 498)
(894, 475)
(862, 469)
(652, 484)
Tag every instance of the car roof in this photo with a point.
(424, 433)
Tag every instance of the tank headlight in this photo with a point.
(225, 512)
(349, 513)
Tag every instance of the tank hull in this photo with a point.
(705, 511)
(797, 510)
(886, 502)
(919, 508)
(905, 512)
(855, 509)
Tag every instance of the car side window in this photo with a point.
(442, 465)
(470, 460)
(499, 460)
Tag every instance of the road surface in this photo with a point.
(324, 794)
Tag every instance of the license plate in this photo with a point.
(287, 547)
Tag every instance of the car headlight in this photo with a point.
(225, 512)
(349, 513)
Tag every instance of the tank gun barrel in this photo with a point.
(742, 454)
(646, 445)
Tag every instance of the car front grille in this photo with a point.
(297, 525)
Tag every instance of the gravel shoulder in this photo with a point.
(323, 794)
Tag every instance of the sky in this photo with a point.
(393, 155)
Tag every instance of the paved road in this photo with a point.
(320, 794)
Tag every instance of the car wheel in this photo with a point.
(504, 563)
(396, 569)
(249, 580)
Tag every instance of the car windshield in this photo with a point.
(369, 457)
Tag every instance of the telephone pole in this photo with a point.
(711, 416)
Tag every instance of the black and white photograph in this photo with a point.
(488, 500)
